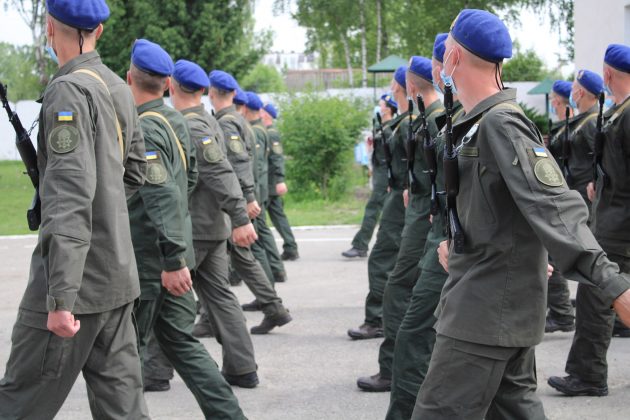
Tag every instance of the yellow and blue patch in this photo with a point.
(540, 152)
(207, 140)
(65, 116)
(151, 155)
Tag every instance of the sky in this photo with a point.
(288, 36)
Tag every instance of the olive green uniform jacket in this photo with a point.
(513, 203)
(217, 199)
(160, 222)
(276, 159)
(261, 165)
(83, 261)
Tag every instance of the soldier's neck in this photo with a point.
(67, 51)
(586, 104)
(219, 105)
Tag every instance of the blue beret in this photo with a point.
(271, 110)
(483, 34)
(240, 98)
(439, 47)
(562, 88)
(80, 14)
(150, 57)
(222, 80)
(388, 99)
(190, 75)
(400, 76)
(253, 101)
(421, 66)
(590, 81)
(618, 56)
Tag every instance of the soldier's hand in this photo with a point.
(443, 254)
(253, 209)
(549, 271)
(590, 191)
(622, 307)
(244, 236)
(281, 189)
(177, 282)
(406, 198)
(63, 324)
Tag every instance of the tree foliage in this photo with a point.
(213, 33)
(263, 79)
(19, 72)
(318, 135)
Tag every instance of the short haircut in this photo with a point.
(418, 81)
(222, 93)
(148, 82)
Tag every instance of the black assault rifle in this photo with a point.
(29, 157)
(412, 144)
(566, 147)
(451, 177)
(598, 170)
(429, 155)
(387, 152)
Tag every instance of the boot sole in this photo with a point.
(370, 388)
(563, 329)
(593, 392)
(355, 336)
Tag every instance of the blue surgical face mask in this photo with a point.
(448, 80)
(607, 90)
(437, 88)
(572, 101)
(608, 103)
(51, 52)
(552, 110)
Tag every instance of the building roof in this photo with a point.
(543, 88)
(387, 65)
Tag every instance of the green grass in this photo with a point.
(16, 193)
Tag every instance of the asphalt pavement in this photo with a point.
(308, 368)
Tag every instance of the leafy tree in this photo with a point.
(263, 78)
(318, 135)
(19, 71)
(213, 33)
(527, 66)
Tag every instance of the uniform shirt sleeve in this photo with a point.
(557, 214)
(162, 203)
(239, 158)
(276, 158)
(67, 190)
(135, 164)
(193, 172)
(218, 177)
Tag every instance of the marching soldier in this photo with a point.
(586, 365)
(277, 186)
(383, 256)
(388, 109)
(76, 313)
(483, 361)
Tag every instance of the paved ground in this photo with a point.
(309, 367)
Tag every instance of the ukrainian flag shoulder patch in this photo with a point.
(540, 152)
(65, 116)
(207, 140)
(151, 155)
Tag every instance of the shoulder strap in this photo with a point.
(438, 109)
(191, 115)
(618, 112)
(118, 129)
(588, 118)
(165, 121)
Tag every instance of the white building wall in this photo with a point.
(599, 23)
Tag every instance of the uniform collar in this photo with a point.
(83, 60)
(199, 109)
(506, 95)
(228, 110)
(147, 106)
(257, 122)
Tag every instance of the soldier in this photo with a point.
(383, 256)
(513, 204)
(162, 232)
(387, 109)
(76, 313)
(277, 186)
(416, 336)
(418, 197)
(586, 364)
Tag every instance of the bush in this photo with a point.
(318, 135)
(263, 79)
(541, 121)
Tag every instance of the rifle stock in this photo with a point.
(598, 170)
(387, 152)
(566, 147)
(411, 151)
(28, 155)
(451, 177)
(430, 155)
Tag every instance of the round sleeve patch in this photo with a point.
(277, 147)
(548, 173)
(236, 145)
(156, 173)
(212, 152)
(63, 139)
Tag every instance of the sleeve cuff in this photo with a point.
(174, 264)
(61, 302)
(240, 219)
(617, 286)
(250, 196)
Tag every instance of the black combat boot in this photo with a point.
(355, 253)
(365, 331)
(270, 322)
(574, 387)
(247, 380)
(374, 383)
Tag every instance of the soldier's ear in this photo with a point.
(98, 31)
(129, 80)
(167, 84)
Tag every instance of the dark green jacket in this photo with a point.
(262, 161)
(276, 159)
(240, 145)
(396, 142)
(83, 261)
(161, 226)
(217, 198)
(513, 204)
(379, 162)
(612, 203)
(420, 166)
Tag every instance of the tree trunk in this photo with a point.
(379, 28)
(346, 51)
(363, 44)
(34, 15)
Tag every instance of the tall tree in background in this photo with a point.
(362, 32)
(213, 33)
(379, 29)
